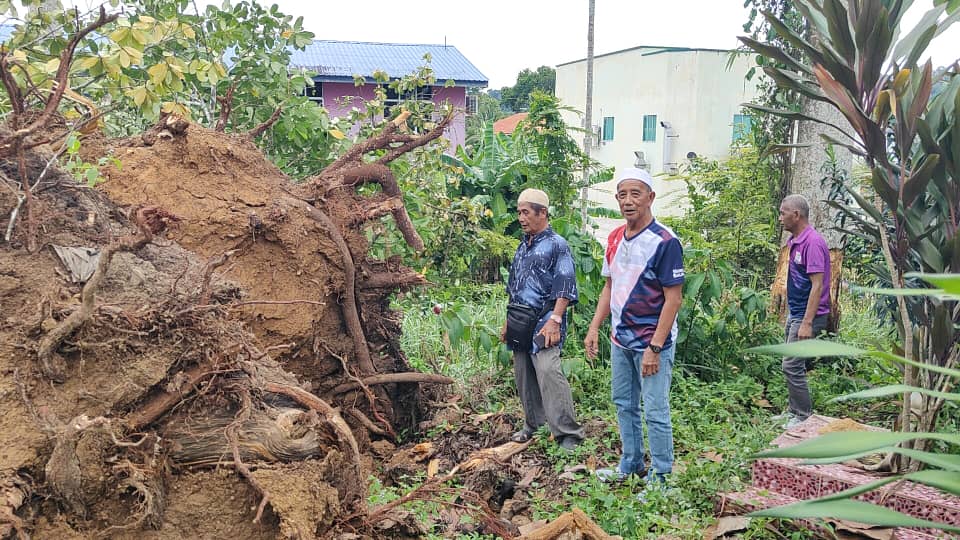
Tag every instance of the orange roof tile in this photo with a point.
(508, 124)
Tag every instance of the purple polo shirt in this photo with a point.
(808, 255)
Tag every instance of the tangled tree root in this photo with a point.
(150, 221)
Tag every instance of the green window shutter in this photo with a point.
(742, 124)
(608, 128)
(649, 127)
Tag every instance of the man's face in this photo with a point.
(531, 221)
(635, 199)
(789, 217)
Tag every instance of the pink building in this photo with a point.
(336, 64)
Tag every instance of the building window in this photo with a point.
(742, 124)
(314, 93)
(607, 128)
(422, 93)
(649, 127)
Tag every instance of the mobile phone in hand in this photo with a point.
(540, 341)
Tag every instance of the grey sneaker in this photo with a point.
(782, 417)
(522, 436)
(793, 422)
(612, 475)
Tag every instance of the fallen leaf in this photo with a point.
(433, 467)
(572, 477)
(724, 526)
(422, 451)
(484, 417)
(713, 456)
(763, 403)
(529, 476)
(852, 529)
(592, 462)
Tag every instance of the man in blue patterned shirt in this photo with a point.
(542, 274)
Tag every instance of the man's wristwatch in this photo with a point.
(556, 318)
(656, 348)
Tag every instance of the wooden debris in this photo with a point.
(573, 524)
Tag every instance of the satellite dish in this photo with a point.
(691, 155)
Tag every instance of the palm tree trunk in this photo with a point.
(588, 114)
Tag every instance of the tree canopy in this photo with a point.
(517, 97)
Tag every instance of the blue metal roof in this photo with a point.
(340, 61)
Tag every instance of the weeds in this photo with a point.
(718, 422)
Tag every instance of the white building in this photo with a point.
(654, 107)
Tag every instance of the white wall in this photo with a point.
(693, 90)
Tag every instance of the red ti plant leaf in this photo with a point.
(843, 99)
(887, 191)
(915, 184)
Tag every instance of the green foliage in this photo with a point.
(718, 318)
(729, 234)
(74, 165)
(732, 211)
(462, 341)
(494, 172)
(518, 97)
(157, 57)
(488, 112)
(560, 160)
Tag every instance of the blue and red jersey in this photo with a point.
(639, 268)
(809, 254)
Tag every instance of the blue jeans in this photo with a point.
(634, 394)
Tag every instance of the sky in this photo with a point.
(502, 37)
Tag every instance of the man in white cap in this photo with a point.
(542, 284)
(643, 265)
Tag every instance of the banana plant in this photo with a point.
(909, 137)
(943, 469)
(494, 174)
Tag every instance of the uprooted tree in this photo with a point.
(197, 313)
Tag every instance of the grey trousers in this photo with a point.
(795, 370)
(545, 393)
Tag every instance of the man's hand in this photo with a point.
(503, 333)
(650, 364)
(551, 334)
(590, 342)
(805, 331)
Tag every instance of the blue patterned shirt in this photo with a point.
(543, 271)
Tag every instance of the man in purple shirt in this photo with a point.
(808, 298)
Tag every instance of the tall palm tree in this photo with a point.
(588, 113)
